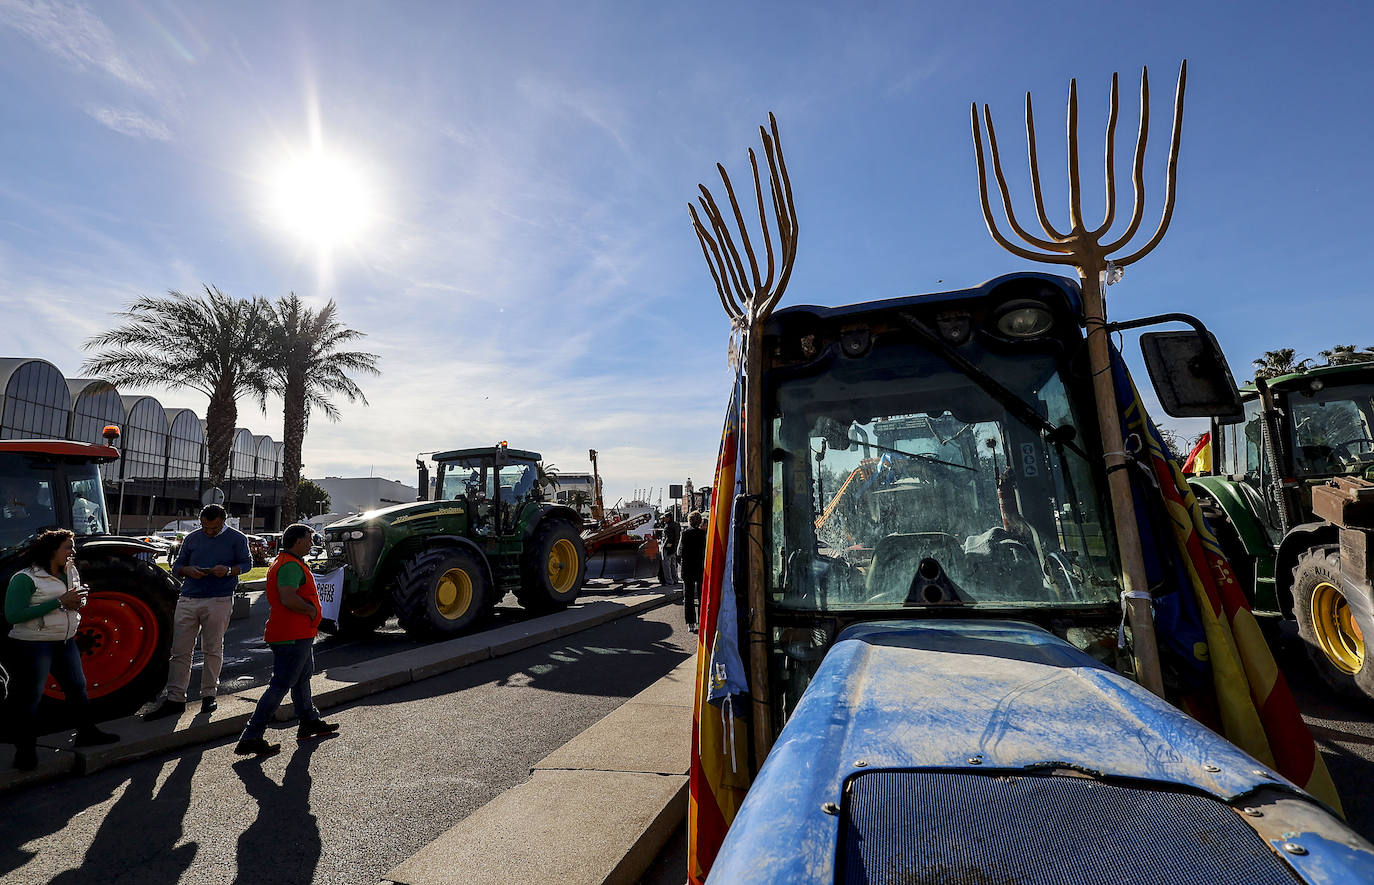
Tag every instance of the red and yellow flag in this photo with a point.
(718, 776)
(1255, 709)
(1199, 460)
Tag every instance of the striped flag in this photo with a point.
(1251, 704)
(1199, 460)
(718, 775)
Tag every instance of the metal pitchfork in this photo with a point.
(749, 299)
(1085, 250)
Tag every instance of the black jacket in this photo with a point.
(692, 552)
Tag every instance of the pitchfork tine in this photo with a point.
(987, 207)
(763, 224)
(727, 245)
(1075, 185)
(1111, 163)
(1006, 192)
(1049, 229)
(1171, 176)
(739, 221)
(708, 246)
(1138, 170)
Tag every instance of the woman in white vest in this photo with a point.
(45, 611)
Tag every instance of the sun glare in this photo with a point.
(322, 198)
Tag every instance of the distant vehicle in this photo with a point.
(257, 546)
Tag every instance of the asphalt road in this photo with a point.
(407, 765)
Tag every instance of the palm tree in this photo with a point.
(303, 355)
(207, 343)
(546, 475)
(1278, 362)
(1344, 354)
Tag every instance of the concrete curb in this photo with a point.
(596, 811)
(59, 757)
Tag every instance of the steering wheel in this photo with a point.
(1342, 449)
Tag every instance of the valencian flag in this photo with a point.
(1246, 698)
(719, 773)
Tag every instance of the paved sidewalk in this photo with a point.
(58, 757)
(594, 812)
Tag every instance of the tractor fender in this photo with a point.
(402, 552)
(1239, 508)
(1298, 541)
(560, 512)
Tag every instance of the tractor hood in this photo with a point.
(400, 514)
(955, 701)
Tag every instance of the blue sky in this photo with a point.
(519, 250)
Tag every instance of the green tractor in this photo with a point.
(1291, 501)
(441, 566)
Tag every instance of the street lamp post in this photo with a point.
(253, 509)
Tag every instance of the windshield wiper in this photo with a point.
(921, 455)
(1005, 397)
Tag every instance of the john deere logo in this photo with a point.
(449, 511)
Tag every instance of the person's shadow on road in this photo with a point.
(138, 835)
(283, 842)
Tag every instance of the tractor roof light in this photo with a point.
(1023, 319)
(110, 433)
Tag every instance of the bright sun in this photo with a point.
(323, 198)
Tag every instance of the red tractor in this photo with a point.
(126, 627)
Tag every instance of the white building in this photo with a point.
(349, 495)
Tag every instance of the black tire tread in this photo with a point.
(410, 593)
(534, 592)
(1359, 686)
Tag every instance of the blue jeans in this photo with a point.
(293, 663)
(36, 660)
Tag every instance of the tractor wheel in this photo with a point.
(125, 636)
(1332, 629)
(441, 593)
(553, 568)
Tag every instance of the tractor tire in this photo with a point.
(1332, 630)
(441, 593)
(125, 637)
(553, 569)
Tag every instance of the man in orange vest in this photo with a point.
(292, 621)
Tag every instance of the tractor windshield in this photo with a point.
(1333, 430)
(89, 516)
(899, 482)
(26, 499)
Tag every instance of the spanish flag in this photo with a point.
(718, 774)
(1199, 460)
(1251, 704)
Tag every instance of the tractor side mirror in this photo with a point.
(424, 480)
(1190, 375)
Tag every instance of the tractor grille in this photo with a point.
(944, 828)
(360, 553)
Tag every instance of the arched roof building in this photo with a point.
(96, 404)
(145, 439)
(36, 401)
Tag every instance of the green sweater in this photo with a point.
(18, 594)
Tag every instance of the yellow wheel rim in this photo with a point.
(453, 596)
(1340, 638)
(562, 565)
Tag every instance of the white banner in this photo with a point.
(330, 588)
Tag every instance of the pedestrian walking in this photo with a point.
(293, 619)
(211, 559)
(672, 533)
(692, 550)
(44, 603)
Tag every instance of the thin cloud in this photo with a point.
(73, 32)
(129, 122)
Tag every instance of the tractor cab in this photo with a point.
(50, 484)
(956, 477)
(496, 481)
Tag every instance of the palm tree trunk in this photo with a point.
(220, 420)
(293, 437)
